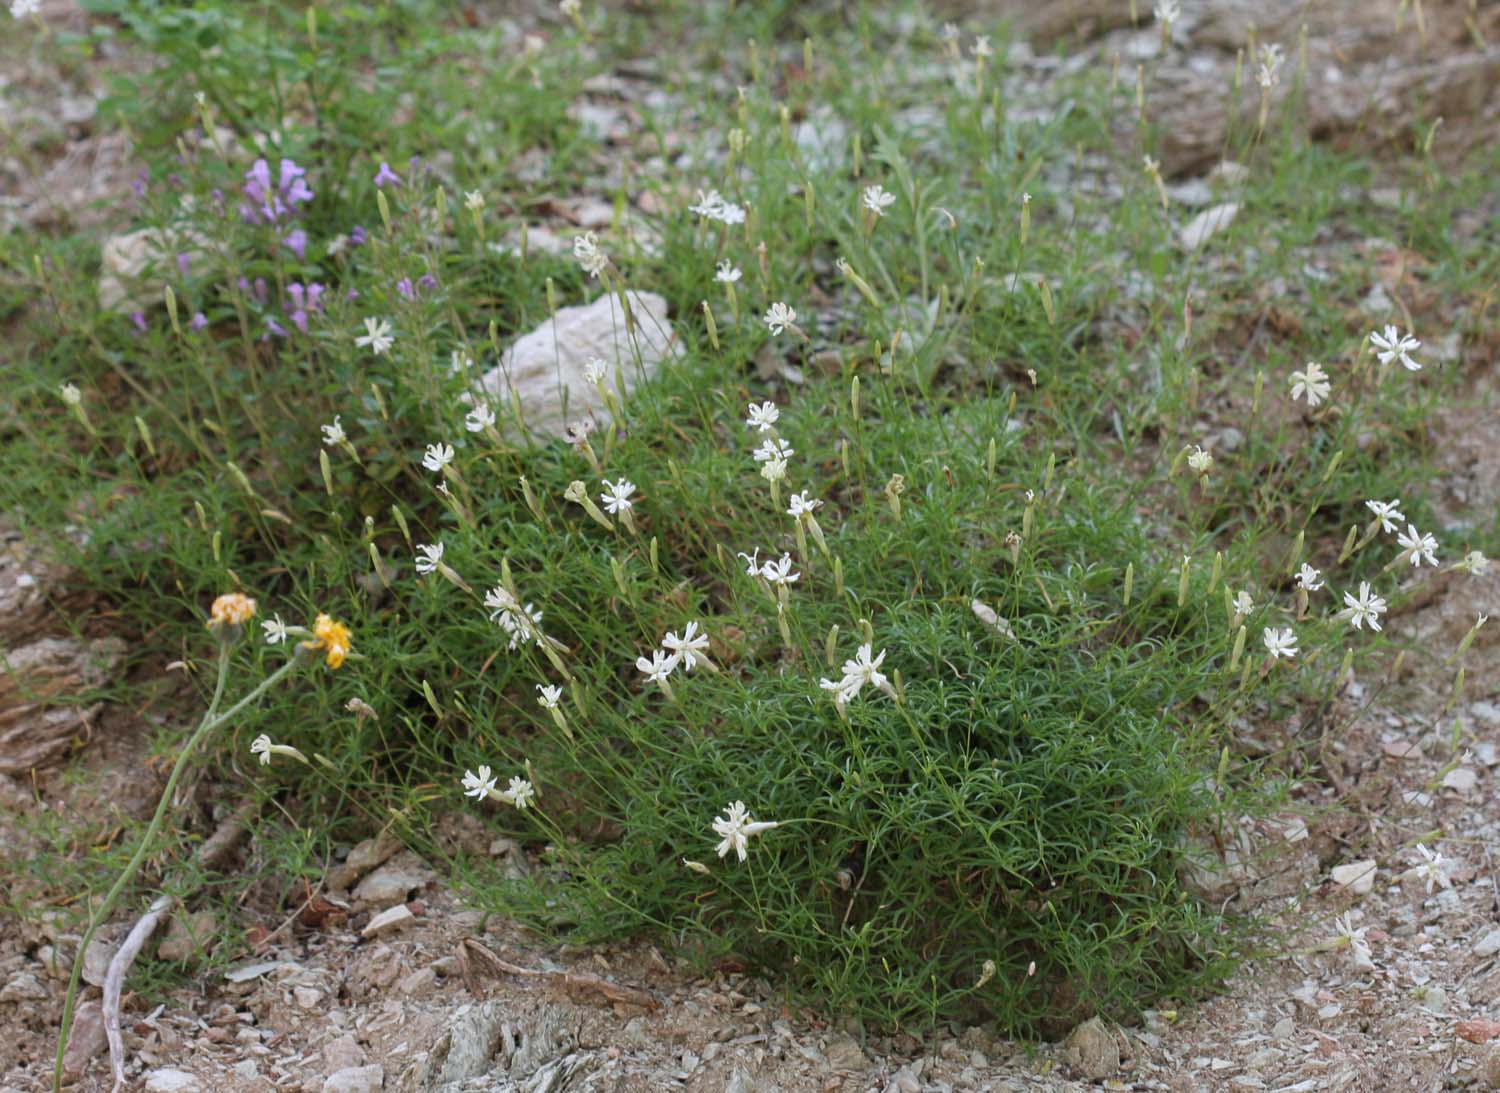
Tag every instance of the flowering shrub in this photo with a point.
(904, 662)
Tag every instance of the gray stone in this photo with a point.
(545, 367)
(356, 1079)
(844, 1053)
(170, 1080)
(364, 857)
(343, 1053)
(1489, 944)
(86, 1039)
(389, 921)
(393, 882)
(1210, 221)
(23, 987)
(1091, 1051)
(188, 936)
(467, 1049)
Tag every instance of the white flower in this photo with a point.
(377, 336)
(548, 697)
(1474, 562)
(1388, 513)
(863, 669)
(521, 623)
(1309, 579)
(1167, 11)
(594, 369)
(801, 505)
(1391, 345)
(1268, 75)
(478, 785)
(736, 828)
(1280, 643)
(479, 419)
(838, 688)
(1200, 461)
(1359, 948)
(779, 316)
(727, 273)
(261, 746)
(1432, 870)
(473, 200)
(436, 457)
(659, 667)
(763, 417)
(570, 8)
(752, 562)
(712, 206)
(616, 496)
(587, 254)
(779, 572)
(1312, 384)
(1367, 608)
(68, 392)
(274, 630)
(689, 647)
(773, 470)
(20, 9)
(1243, 604)
(877, 199)
(333, 434)
(519, 793)
(773, 448)
(1422, 548)
(428, 557)
(982, 47)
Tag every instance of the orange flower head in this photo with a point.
(231, 609)
(332, 636)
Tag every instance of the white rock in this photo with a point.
(1213, 219)
(134, 267)
(1461, 779)
(169, 1080)
(1489, 944)
(356, 1079)
(1357, 876)
(391, 919)
(545, 366)
(23, 987)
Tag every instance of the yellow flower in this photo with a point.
(231, 609)
(333, 636)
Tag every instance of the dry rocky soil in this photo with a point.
(384, 980)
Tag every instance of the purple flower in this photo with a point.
(427, 282)
(403, 286)
(183, 262)
(305, 298)
(296, 242)
(386, 175)
(198, 321)
(276, 328)
(139, 185)
(357, 237)
(264, 205)
(139, 319)
(352, 295)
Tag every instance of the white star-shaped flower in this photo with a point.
(779, 316)
(333, 434)
(1280, 643)
(428, 557)
(877, 199)
(436, 457)
(659, 667)
(1309, 579)
(548, 697)
(763, 417)
(737, 828)
(377, 336)
(780, 571)
(1388, 513)
(1365, 609)
(1421, 548)
(479, 419)
(478, 785)
(1391, 345)
(689, 647)
(1311, 384)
